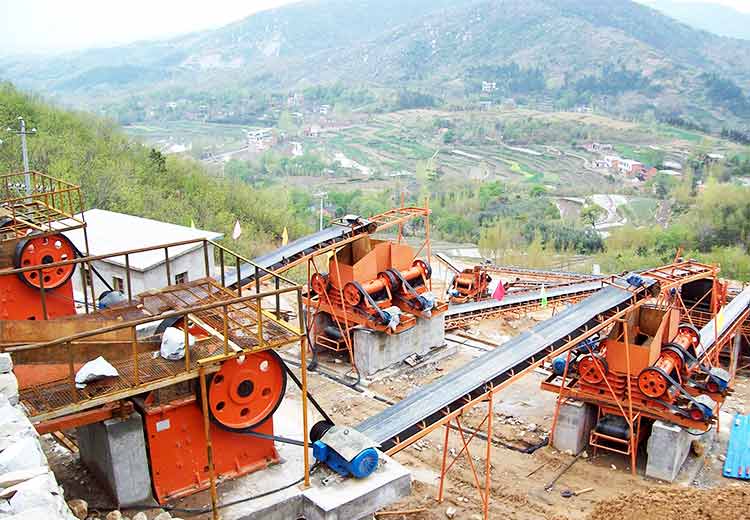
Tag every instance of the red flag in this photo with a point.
(499, 293)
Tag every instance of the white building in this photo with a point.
(110, 232)
(489, 86)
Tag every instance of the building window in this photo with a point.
(181, 278)
(118, 284)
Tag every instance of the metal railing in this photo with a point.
(224, 277)
(52, 205)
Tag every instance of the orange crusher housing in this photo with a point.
(21, 294)
(242, 396)
(470, 285)
(369, 282)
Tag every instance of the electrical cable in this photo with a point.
(208, 509)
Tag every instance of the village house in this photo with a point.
(489, 86)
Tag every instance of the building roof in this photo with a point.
(111, 232)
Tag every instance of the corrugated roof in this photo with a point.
(111, 232)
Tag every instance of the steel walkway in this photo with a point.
(429, 405)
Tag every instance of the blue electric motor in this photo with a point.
(585, 347)
(345, 450)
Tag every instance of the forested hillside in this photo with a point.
(120, 175)
(619, 56)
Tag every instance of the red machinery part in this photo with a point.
(688, 337)
(319, 283)
(651, 380)
(42, 250)
(592, 369)
(246, 392)
(177, 449)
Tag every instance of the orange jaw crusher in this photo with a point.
(470, 285)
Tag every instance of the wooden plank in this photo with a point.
(37, 331)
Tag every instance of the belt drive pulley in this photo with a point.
(696, 404)
(244, 393)
(405, 284)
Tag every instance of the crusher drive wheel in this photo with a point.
(41, 250)
(592, 369)
(245, 393)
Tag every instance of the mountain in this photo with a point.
(715, 18)
(619, 55)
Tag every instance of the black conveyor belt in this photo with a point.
(512, 300)
(731, 313)
(275, 260)
(429, 404)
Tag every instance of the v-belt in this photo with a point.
(383, 318)
(287, 440)
(407, 286)
(682, 390)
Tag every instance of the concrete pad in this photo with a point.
(374, 351)
(667, 448)
(573, 428)
(115, 451)
(294, 502)
(354, 499)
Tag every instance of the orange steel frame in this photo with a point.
(404, 215)
(669, 277)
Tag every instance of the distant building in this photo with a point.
(612, 162)
(297, 150)
(630, 167)
(260, 140)
(714, 157)
(489, 86)
(671, 173)
(672, 165)
(324, 110)
(599, 147)
(111, 232)
(599, 164)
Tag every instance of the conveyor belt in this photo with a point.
(287, 254)
(737, 309)
(447, 261)
(512, 300)
(430, 403)
(525, 272)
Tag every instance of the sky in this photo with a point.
(740, 5)
(45, 26)
(34, 26)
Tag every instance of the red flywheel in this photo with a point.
(43, 250)
(246, 392)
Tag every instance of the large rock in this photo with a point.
(9, 388)
(79, 507)
(25, 453)
(6, 363)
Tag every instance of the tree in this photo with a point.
(591, 214)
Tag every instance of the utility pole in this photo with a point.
(24, 151)
(323, 196)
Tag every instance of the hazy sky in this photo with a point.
(740, 5)
(58, 25)
(49, 25)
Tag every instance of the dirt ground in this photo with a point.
(522, 418)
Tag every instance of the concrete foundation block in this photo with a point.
(667, 448)
(115, 451)
(573, 428)
(356, 499)
(375, 351)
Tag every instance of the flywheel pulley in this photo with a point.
(43, 250)
(246, 392)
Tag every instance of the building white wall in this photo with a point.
(191, 262)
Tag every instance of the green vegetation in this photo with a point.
(118, 175)
(715, 228)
